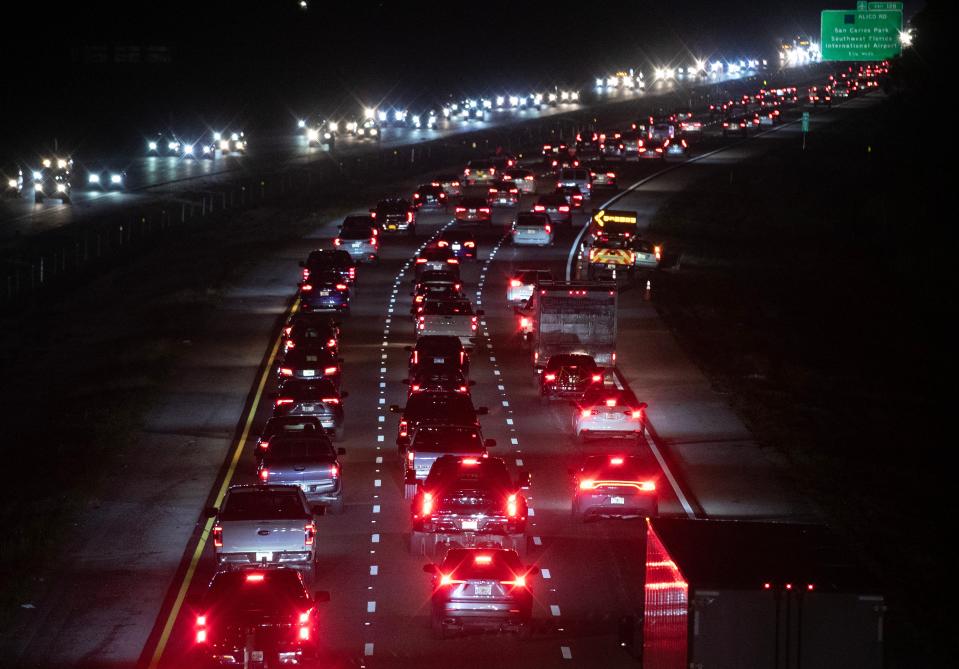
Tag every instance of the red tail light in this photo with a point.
(201, 636)
(373, 240)
(334, 471)
(337, 242)
(564, 207)
(403, 428)
(549, 377)
(469, 245)
(611, 175)
(493, 190)
(414, 388)
(512, 506)
(442, 243)
(460, 210)
(515, 283)
(416, 196)
(416, 357)
(463, 389)
(548, 228)
(539, 207)
(330, 400)
(331, 343)
(309, 532)
(636, 413)
(304, 634)
(282, 401)
(409, 217)
(485, 210)
(328, 371)
(517, 582)
(265, 474)
(420, 261)
(426, 507)
(286, 371)
(217, 536)
(453, 261)
(597, 377)
(524, 322)
(290, 344)
(585, 413)
(306, 287)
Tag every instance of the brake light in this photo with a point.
(420, 261)
(611, 175)
(329, 370)
(337, 241)
(403, 427)
(636, 413)
(309, 534)
(254, 578)
(331, 343)
(416, 357)
(485, 210)
(483, 559)
(341, 286)
(466, 172)
(373, 240)
(414, 388)
(265, 474)
(286, 371)
(469, 461)
(515, 283)
(201, 636)
(330, 400)
(460, 210)
(528, 178)
(334, 471)
(462, 357)
(282, 401)
(539, 207)
(426, 507)
(469, 245)
(304, 633)
(463, 389)
(564, 207)
(647, 486)
(493, 190)
(610, 402)
(306, 287)
(217, 536)
(453, 261)
(658, 250)
(586, 484)
(511, 506)
(290, 344)
(517, 582)
(548, 228)
(416, 196)
(524, 322)
(597, 378)
(549, 377)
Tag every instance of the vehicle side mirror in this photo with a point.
(533, 570)
(429, 568)
(344, 395)
(341, 451)
(480, 312)
(489, 443)
(410, 478)
(321, 596)
(643, 405)
(211, 512)
(482, 411)
(524, 480)
(395, 408)
(408, 349)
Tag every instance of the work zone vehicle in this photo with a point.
(571, 317)
(469, 501)
(609, 259)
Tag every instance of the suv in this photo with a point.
(576, 176)
(481, 587)
(430, 197)
(461, 242)
(309, 462)
(556, 206)
(319, 399)
(479, 172)
(568, 376)
(619, 486)
(438, 351)
(437, 408)
(359, 236)
(395, 215)
(469, 501)
(332, 260)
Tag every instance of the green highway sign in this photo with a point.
(883, 6)
(805, 121)
(862, 5)
(851, 34)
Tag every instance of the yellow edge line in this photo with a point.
(205, 534)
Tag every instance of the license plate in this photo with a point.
(456, 247)
(610, 266)
(309, 372)
(612, 415)
(325, 293)
(470, 524)
(617, 500)
(256, 655)
(484, 589)
(308, 407)
(392, 226)
(268, 556)
(356, 245)
(439, 361)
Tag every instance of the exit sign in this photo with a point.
(851, 34)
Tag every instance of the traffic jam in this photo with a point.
(469, 501)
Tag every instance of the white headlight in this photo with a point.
(500, 100)
(61, 188)
(94, 178)
(37, 175)
(188, 148)
(152, 146)
(382, 116)
(216, 136)
(312, 134)
(224, 145)
(38, 187)
(116, 178)
(301, 123)
(334, 126)
(46, 162)
(372, 131)
(61, 164)
(12, 183)
(207, 149)
(234, 136)
(173, 146)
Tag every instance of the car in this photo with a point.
(433, 408)
(446, 277)
(308, 461)
(438, 351)
(568, 376)
(202, 146)
(608, 412)
(503, 194)
(435, 258)
(557, 207)
(580, 177)
(479, 172)
(461, 242)
(337, 261)
(523, 179)
(573, 195)
(646, 255)
(651, 148)
(450, 183)
(161, 144)
(614, 486)
(550, 149)
(484, 588)
(395, 215)
(612, 146)
(305, 362)
(285, 426)
(736, 125)
(325, 290)
(432, 291)
(12, 175)
(430, 197)
(521, 284)
(53, 180)
(563, 159)
(473, 210)
(103, 178)
(311, 330)
(448, 317)
(634, 141)
(230, 142)
(685, 123)
(359, 236)
(438, 379)
(502, 162)
(820, 96)
(318, 398)
(365, 129)
(468, 500)
(603, 175)
(677, 146)
(263, 614)
(533, 229)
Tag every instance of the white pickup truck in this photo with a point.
(454, 318)
(264, 525)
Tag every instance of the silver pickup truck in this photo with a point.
(264, 525)
(453, 318)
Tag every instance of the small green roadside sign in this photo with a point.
(850, 34)
(805, 121)
(883, 6)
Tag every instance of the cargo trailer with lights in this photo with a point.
(571, 317)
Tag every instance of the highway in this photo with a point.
(135, 604)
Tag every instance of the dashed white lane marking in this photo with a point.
(376, 508)
(505, 403)
(537, 541)
(492, 359)
(375, 539)
(509, 421)
(379, 459)
(382, 400)
(382, 370)
(379, 437)
(368, 649)
(382, 419)
(496, 372)
(374, 570)
(554, 610)
(501, 387)
(519, 462)
(545, 573)
(377, 483)
(371, 607)
(567, 653)
(514, 441)
(382, 384)
(531, 511)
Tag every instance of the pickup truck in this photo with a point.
(469, 502)
(264, 525)
(454, 318)
(308, 461)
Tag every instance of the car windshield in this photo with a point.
(291, 426)
(557, 361)
(301, 449)
(447, 440)
(262, 505)
(531, 220)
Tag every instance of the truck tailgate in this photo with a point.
(455, 326)
(249, 536)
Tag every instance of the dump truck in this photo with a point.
(571, 317)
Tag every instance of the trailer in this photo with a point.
(572, 317)
(742, 594)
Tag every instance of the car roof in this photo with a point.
(301, 387)
(308, 354)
